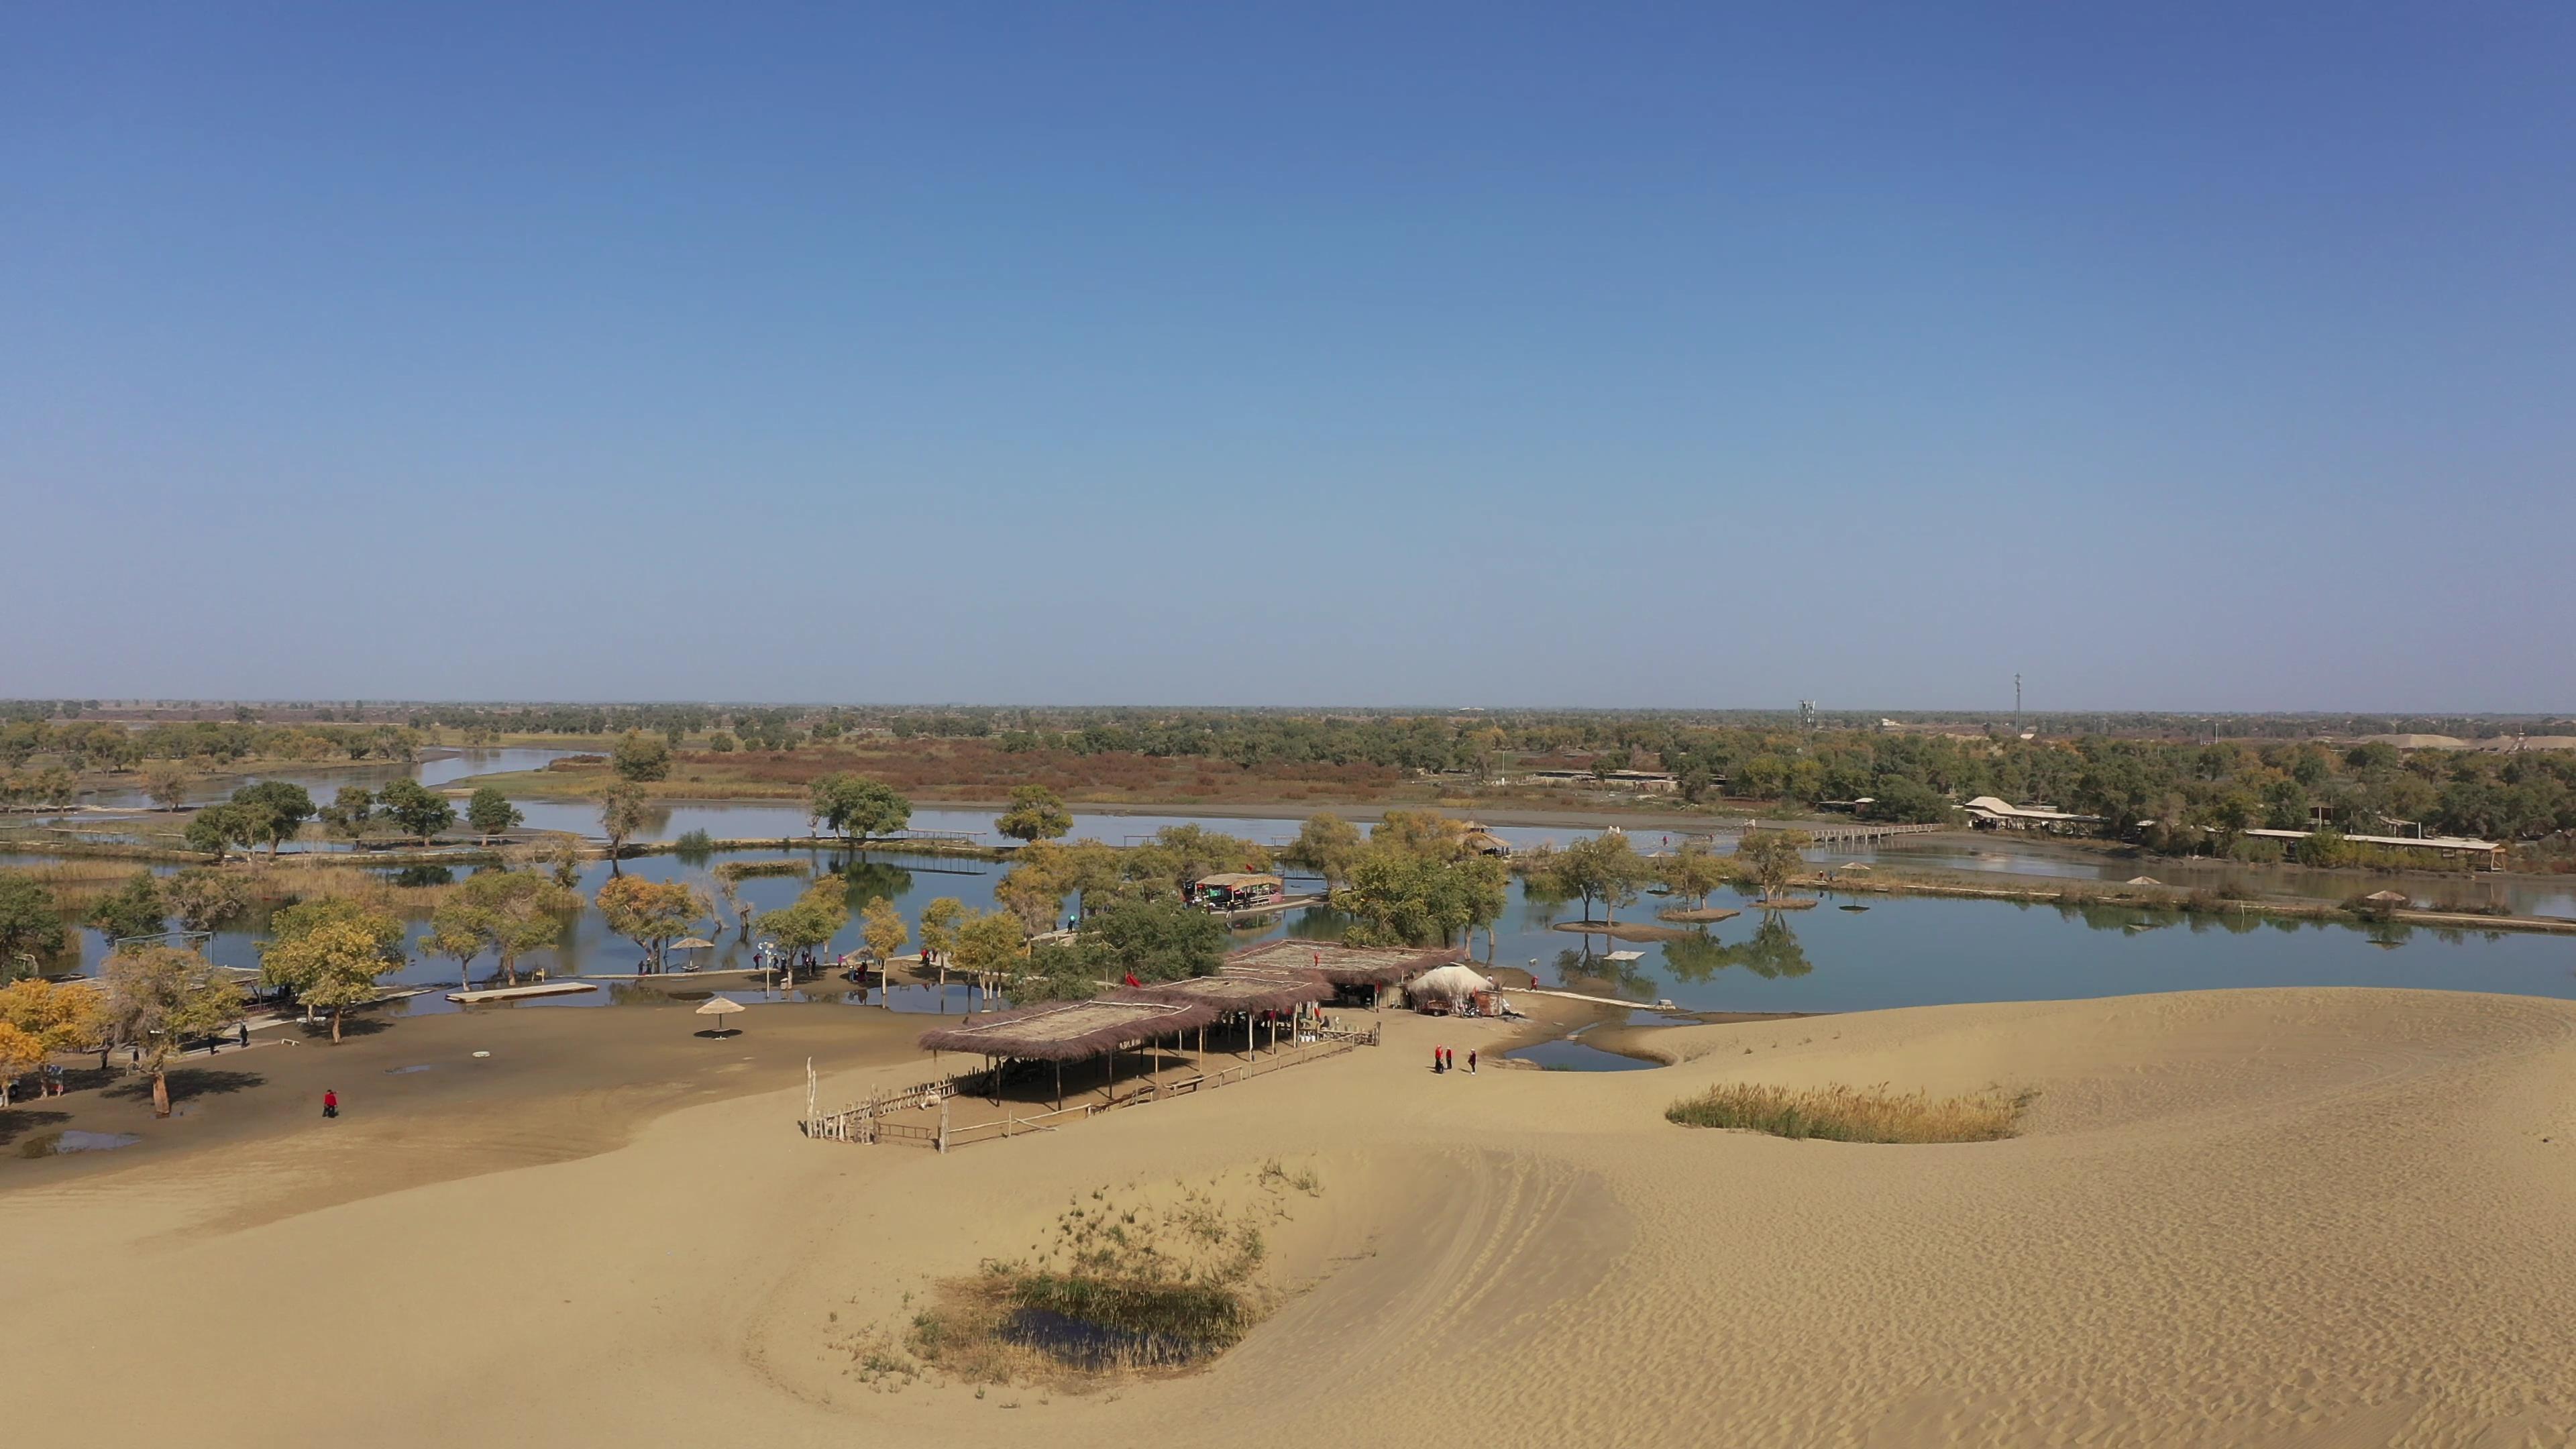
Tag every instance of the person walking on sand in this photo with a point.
(1471, 1061)
(330, 1103)
(245, 1033)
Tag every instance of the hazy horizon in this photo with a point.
(1631, 359)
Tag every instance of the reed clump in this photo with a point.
(745, 869)
(1852, 1114)
(1126, 1282)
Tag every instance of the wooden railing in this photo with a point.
(871, 1121)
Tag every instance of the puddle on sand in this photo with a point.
(403, 1071)
(77, 1141)
(1573, 1054)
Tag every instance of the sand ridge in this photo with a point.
(2261, 1217)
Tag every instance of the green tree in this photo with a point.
(1692, 872)
(216, 829)
(328, 953)
(1036, 813)
(939, 921)
(522, 912)
(640, 757)
(1328, 845)
(1605, 868)
(204, 897)
(418, 810)
(652, 914)
(160, 999)
(1401, 897)
(30, 925)
(1156, 937)
(1770, 859)
(166, 782)
(990, 944)
(1181, 854)
(491, 813)
(458, 930)
(816, 917)
(349, 813)
(275, 810)
(622, 816)
(133, 909)
(1426, 833)
(1056, 971)
(855, 807)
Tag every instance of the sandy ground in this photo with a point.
(2259, 1217)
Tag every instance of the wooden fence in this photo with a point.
(872, 1121)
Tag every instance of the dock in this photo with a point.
(520, 993)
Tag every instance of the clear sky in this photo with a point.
(2186, 357)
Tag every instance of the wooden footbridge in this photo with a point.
(1836, 836)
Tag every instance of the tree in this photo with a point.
(1055, 971)
(1157, 938)
(132, 909)
(562, 855)
(989, 944)
(1422, 832)
(1044, 873)
(882, 926)
(216, 829)
(29, 923)
(166, 782)
(1692, 872)
(1912, 802)
(1327, 845)
(622, 816)
(203, 897)
(456, 931)
(1401, 897)
(522, 912)
(161, 998)
(1605, 868)
(641, 757)
(20, 1054)
(491, 813)
(817, 916)
(418, 810)
(855, 807)
(274, 810)
(1180, 854)
(650, 913)
(1770, 858)
(329, 953)
(939, 926)
(349, 812)
(1036, 813)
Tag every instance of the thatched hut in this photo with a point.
(1367, 970)
(1249, 993)
(1057, 1032)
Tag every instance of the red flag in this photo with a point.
(1130, 979)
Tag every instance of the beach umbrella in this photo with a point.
(721, 1006)
(693, 943)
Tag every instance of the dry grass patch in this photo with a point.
(1139, 1280)
(1852, 1114)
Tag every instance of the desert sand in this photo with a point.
(2261, 1217)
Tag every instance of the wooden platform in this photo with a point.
(520, 993)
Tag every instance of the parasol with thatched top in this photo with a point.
(720, 1006)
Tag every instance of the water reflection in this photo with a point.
(1771, 953)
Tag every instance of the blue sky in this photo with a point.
(2188, 357)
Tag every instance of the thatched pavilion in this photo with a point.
(1349, 969)
(1245, 992)
(1070, 1031)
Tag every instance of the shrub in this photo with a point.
(1850, 1114)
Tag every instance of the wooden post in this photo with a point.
(943, 1124)
(1059, 1084)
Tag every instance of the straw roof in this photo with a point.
(721, 1006)
(1239, 991)
(1236, 879)
(1453, 982)
(1065, 1031)
(2390, 898)
(1339, 964)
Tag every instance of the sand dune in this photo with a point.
(2267, 1217)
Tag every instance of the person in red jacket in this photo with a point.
(330, 1103)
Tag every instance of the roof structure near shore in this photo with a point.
(1067, 1031)
(1339, 964)
(1239, 990)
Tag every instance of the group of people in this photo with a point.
(1445, 1060)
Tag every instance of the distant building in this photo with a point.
(1644, 782)
(1987, 812)
(2485, 854)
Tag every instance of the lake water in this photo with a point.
(1901, 952)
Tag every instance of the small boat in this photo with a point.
(1851, 908)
